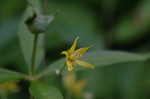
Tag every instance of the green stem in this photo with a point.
(47, 71)
(44, 73)
(34, 54)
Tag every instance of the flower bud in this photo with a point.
(38, 23)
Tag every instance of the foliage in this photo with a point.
(30, 48)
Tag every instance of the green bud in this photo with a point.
(38, 23)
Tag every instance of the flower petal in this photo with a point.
(82, 50)
(69, 65)
(65, 53)
(74, 45)
(85, 64)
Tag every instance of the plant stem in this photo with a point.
(47, 71)
(34, 54)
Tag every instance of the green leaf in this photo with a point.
(6, 76)
(8, 45)
(8, 42)
(26, 38)
(104, 58)
(98, 59)
(41, 90)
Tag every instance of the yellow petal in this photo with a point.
(69, 65)
(85, 64)
(65, 53)
(78, 53)
(82, 50)
(74, 45)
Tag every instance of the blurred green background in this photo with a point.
(104, 24)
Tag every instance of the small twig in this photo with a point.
(43, 73)
(47, 71)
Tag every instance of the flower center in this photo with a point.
(76, 55)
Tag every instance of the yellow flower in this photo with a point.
(73, 56)
(72, 85)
